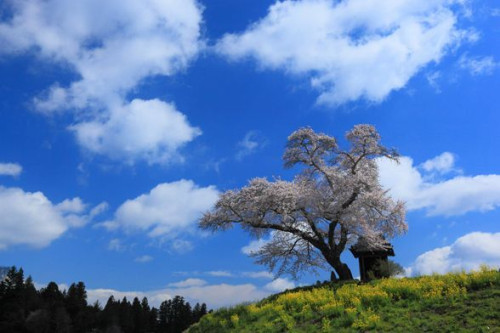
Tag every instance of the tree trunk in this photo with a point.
(343, 271)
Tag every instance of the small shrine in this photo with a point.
(369, 256)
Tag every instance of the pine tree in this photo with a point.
(50, 310)
(110, 313)
(76, 305)
(137, 316)
(53, 300)
(12, 313)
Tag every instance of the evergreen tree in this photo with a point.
(196, 312)
(12, 313)
(163, 316)
(203, 310)
(153, 319)
(110, 313)
(53, 300)
(76, 305)
(137, 316)
(50, 310)
(126, 320)
(32, 299)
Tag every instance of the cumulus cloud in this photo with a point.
(198, 291)
(279, 284)
(478, 65)
(74, 205)
(223, 294)
(254, 246)
(257, 244)
(451, 196)
(466, 253)
(111, 48)
(141, 130)
(10, 169)
(166, 211)
(155, 298)
(442, 163)
(350, 49)
(30, 218)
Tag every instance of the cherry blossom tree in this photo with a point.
(335, 199)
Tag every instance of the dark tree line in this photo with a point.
(23, 308)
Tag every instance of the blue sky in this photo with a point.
(121, 123)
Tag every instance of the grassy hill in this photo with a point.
(440, 303)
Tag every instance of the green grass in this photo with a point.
(479, 311)
(440, 303)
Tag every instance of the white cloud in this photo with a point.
(223, 294)
(112, 48)
(256, 244)
(432, 79)
(74, 205)
(478, 65)
(258, 275)
(181, 246)
(116, 245)
(30, 218)
(279, 285)
(220, 273)
(466, 253)
(350, 49)
(142, 130)
(249, 144)
(214, 164)
(218, 295)
(155, 298)
(10, 169)
(197, 291)
(193, 290)
(167, 210)
(442, 163)
(188, 283)
(99, 209)
(143, 259)
(453, 196)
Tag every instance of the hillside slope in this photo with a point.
(439, 303)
